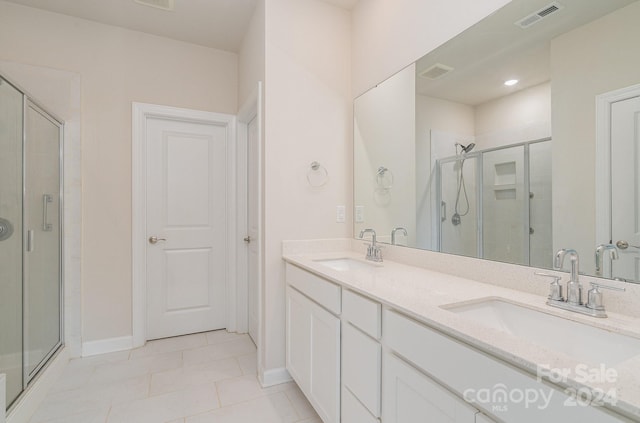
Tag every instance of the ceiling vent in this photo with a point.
(158, 4)
(436, 71)
(536, 17)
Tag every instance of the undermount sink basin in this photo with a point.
(344, 264)
(584, 343)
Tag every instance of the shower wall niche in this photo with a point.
(496, 204)
(30, 238)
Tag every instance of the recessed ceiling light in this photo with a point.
(511, 82)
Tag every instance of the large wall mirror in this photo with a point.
(514, 139)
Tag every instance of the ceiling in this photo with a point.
(495, 49)
(219, 24)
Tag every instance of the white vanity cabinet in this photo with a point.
(358, 361)
(313, 340)
(361, 358)
(469, 374)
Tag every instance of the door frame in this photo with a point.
(603, 157)
(252, 108)
(140, 113)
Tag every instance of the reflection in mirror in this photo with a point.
(491, 142)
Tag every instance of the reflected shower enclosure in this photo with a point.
(30, 238)
(496, 204)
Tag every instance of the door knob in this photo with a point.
(623, 245)
(247, 239)
(155, 239)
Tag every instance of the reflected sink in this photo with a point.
(582, 342)
(344, 264)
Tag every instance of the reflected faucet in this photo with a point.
(574, 289)
(600, 250)
(393, 234)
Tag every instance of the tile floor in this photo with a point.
(205, 377)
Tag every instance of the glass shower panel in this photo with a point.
(11, 238)
(42, 223)
(540, 241)
(458, 212)
(505, 227)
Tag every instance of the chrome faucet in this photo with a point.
(600, 250)
(373, 250)
(574, 289)
(393, 234)
(594, 305)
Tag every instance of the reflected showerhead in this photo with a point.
(466, 148)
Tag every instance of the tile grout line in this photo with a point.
(295, 410)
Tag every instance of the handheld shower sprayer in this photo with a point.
(456, 217)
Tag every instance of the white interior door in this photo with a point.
(625, 187)
(253, 218)
(186, 213)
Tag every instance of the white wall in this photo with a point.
(590, 60)
(522, 116)
(389, 35)
(308, 118)
(117, 67)
(251, 59)
(384, 135)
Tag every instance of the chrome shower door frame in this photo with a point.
(29, 102)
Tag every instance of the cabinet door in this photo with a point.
(313, 353)
(411, 397)
(481, 418)
(353, 411)
(325, 364)
(361, 363)
(298, 338)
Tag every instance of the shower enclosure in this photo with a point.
(496, 204)
(30, 238)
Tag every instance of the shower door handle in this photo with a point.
(443, 211)
(30, 241)
(46, 199)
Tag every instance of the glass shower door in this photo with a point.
(42, 290)
(11, 238)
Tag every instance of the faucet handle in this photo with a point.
(555, 290)
(594, 296)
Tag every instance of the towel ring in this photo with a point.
(317, 175)
(384, 178)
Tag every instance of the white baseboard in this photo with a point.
(274, 377)
(31, 399)
(104, 346)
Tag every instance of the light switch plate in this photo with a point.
(341, 213)
(359, 214)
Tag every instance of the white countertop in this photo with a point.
(421, 293)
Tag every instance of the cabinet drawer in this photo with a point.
(409, 394)
(362, 312)
(361, 362)
(353, 411)
(325, 293)
(468, 371)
